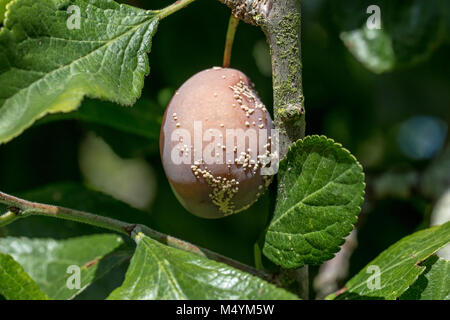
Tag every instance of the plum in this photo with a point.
(215, 134)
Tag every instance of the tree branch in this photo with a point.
(20, 208)
(282, 28)
(283, 32)
(280, 21)
(250, 11)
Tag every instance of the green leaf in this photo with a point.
(410, 32)
(102, 288)
(130, 132)
(160, 272)
(142, 120)
(47, 260)
(433, 284)
(373, 48)
(3, 4)
(46, 68)
(398, 266)
(15, 283)
(321, 191)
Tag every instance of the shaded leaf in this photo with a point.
(321, 191)
(433, 284)
(15, 283)
(410, 31)
(130, 132)
(46, 68)
(160, 272)
(373, 48)
(101, 288)
(142, 120)
(398, 266)
(125, 145)
(47, 260)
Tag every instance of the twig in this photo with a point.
(20, 208)
(24, 208)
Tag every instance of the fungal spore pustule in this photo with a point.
(215, 138)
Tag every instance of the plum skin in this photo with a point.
(221, 98)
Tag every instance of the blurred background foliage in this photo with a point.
(384, 95)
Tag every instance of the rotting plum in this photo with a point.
(210, 177)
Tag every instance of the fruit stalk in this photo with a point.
(232, 26)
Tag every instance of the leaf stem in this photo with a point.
(232, 26)
(177, 5)
(7, 218)
(20, 208)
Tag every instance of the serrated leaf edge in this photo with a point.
(298, 144)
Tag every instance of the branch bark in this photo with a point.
(282, 28)
(280, 21)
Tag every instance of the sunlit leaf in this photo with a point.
(15, 283)
(160, 272)
(47, 67)
(321, 192)
(390, 274)
(49, 262)
(3, 4)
